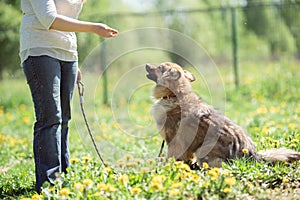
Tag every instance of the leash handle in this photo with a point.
(81, 91)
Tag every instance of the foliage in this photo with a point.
(10, 19)
(265, 29)
(266, 104)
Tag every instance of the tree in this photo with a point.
(265, 22)
(10, 19)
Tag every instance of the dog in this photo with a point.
(193, 129)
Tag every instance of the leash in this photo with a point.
(161, 148)
(80, 86)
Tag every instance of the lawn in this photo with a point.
(266, 104)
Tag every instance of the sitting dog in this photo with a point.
(194, 129)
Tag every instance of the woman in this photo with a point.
(48, 53)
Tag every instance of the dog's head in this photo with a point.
(169, 78)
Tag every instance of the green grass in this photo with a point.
(267, 105)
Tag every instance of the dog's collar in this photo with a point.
(169, 96)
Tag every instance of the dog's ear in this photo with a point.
(189, 76)
(172, 74)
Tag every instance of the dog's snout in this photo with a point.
(149, 67)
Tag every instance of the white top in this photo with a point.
(35, 37)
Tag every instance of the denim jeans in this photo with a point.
(51, 83)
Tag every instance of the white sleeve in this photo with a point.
(45, 11)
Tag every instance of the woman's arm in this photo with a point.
(63, 23)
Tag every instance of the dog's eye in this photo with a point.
(162, 68)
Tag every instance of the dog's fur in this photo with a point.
(193, 128)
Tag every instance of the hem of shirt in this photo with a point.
(27, 53)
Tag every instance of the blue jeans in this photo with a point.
(51, 83)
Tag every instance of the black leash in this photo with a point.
(81, 91)
(161, 148)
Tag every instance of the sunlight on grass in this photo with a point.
(267, 105)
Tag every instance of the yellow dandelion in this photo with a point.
(158, 179)
(245, 151)
(205, 165)
(9, 116)
(104, 127)
(292, 146)
(262, 110)
(78, 186)
(182, 165)
(130, 164)
(156, 138)
(22, 107)
(36, 197)
(110, 188)
(22, 154)
(177, 185)
(74, 160)
(97, 194)
(150, 161)
(22, 198)
(101, 185)
(205, 184)
(227, 190)
(86, 159)
(174, 192)
(144, 170)
(294, 141)
(123, 179)
(226, 172)
(229, 181)
(285, 180)
(292, 126)
(107, 169)
(26, 120)
(157, 186)
(64, 191)
(135, 190)
(88, 182)
(85, 167)
(194, 178)
(128, 157)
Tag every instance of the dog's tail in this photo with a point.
(279, 155)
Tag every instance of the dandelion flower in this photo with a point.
(230, 181)
(88, 182)
(157, 186)
(86, 159)
(177, 185)
(22, 107)
(64, 191)
(174, 192)
(135, 190)
(36, 197)
(74, 160)
(158, 179)
(227, 190)
(285, 180)
(245, 151)
(123, 179)
(205, 165)
(78, 186)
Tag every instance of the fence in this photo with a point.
(242, 39)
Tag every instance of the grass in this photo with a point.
(267, 105)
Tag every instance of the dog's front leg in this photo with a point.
(176, 150)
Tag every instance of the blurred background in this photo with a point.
(233, 32)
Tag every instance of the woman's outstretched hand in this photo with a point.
(104, 30)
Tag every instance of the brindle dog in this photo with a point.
(192, 128)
